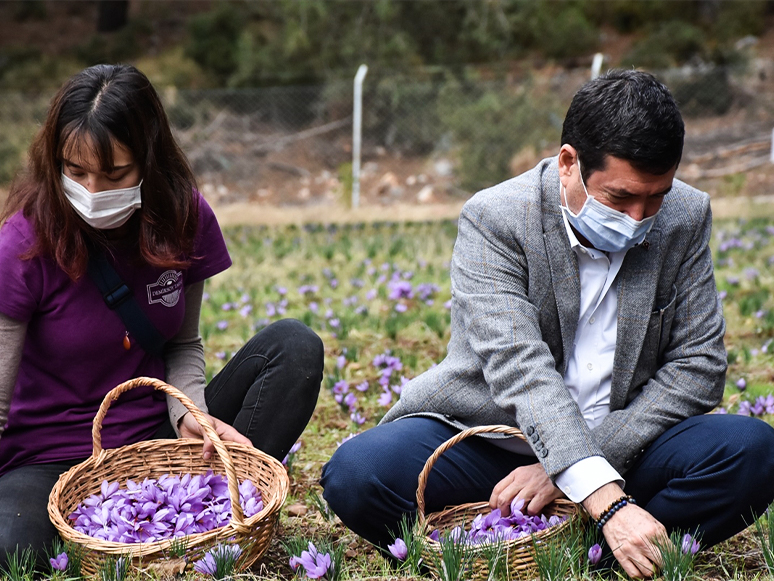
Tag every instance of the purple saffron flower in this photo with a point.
(345, 439)
(386, 398)
(208, 565)
(741, 383)
(435, 535)
(357, 418)
(293, 449)
(371, 295)
(595, 554)
(316, 565)
(341, 361)
(245, 311)
(401, 308)
(227, 306)
(400, 289)
(362, 386)
(59, 563)
(399, 549)
(351, 400)
(447, 305)
(690, 545)
(222, 325)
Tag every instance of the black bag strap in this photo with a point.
(119, 298)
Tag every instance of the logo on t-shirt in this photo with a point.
(166, 290)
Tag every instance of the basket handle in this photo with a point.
(237, 515)
(423, 476)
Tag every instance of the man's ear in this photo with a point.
(568, 157)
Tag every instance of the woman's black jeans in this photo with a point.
(267, 391)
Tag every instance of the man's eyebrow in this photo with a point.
(623, 193)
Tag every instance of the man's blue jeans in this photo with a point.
(712, 474)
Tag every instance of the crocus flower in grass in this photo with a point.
(293, 449)
(595, 554)
(401, 308)
(690, 545)
(386, 398)
(741, 383)
(398, 549)
(59, 563)
(222, 554)
(222, 325)
(341, 361)
(315, 564)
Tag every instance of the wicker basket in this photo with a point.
(154, 458)
(519, 553)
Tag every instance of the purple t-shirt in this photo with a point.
(73, 352)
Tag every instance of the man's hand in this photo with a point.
(190, 428)
(530, 483)
(631, 533)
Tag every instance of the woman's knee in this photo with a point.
(296, 342)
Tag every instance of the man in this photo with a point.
(584, 312)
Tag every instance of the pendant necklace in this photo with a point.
(127, 343)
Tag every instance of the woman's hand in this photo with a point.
(190, 428)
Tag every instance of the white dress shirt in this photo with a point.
(590, 368)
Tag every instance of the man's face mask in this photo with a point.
(102, 210)
(605, 228)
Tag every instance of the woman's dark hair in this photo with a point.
(100, 106)
(626, 114)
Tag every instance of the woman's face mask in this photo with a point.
(102, 210)
(109, 207)
(605, 228)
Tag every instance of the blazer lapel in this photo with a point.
(637, 281)
(563, 265)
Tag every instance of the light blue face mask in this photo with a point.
(605, 228)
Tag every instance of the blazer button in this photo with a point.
(544, 452)
(539, 446)
(535, 437)
(530, 430)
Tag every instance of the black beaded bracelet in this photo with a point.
(613, 508)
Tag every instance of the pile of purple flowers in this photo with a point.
(153, 510)
(495, 527)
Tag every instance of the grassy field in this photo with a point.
(381, 290)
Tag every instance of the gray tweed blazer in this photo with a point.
(515, 309)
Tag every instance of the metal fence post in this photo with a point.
(357, 130)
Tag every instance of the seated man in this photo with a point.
(584, 312)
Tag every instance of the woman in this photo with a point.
(110, 193)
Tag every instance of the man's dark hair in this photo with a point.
(626, 114)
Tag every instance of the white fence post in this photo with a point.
(596, 65)
(357, 130)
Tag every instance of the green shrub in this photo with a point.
(671, 43)
(490, 124)
(212, 40)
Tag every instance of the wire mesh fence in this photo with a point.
(432, 138)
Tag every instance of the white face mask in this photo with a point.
(102, 210)
(605, 228)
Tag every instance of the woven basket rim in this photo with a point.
(62, 522)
